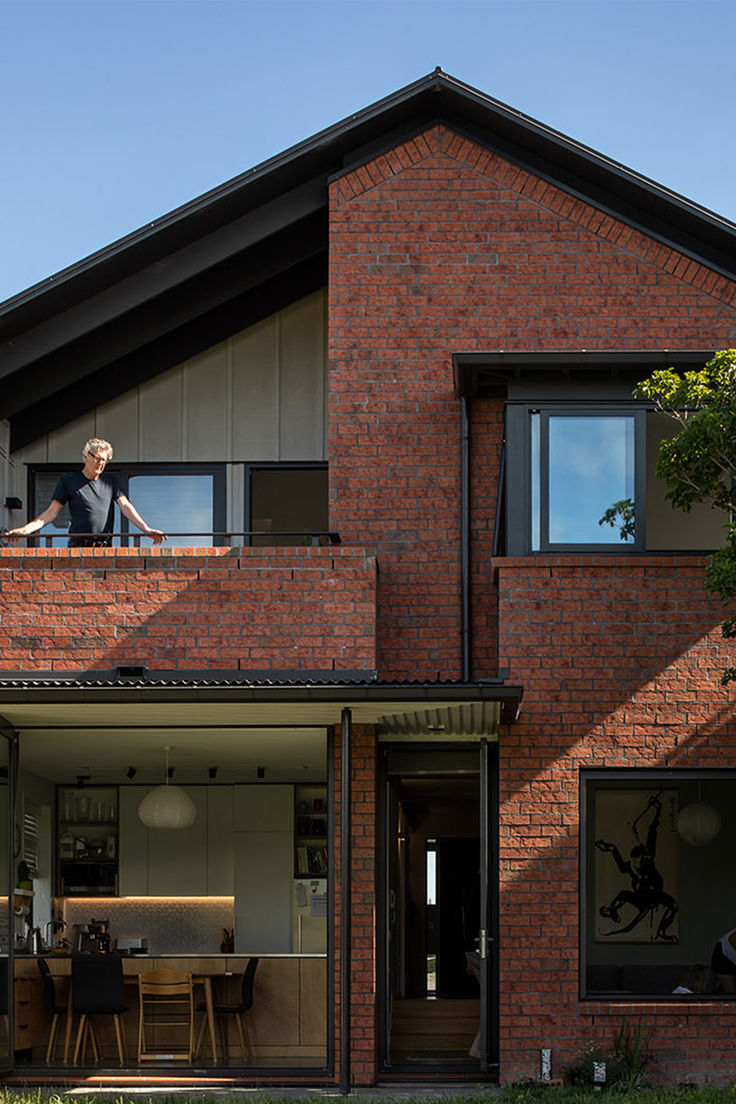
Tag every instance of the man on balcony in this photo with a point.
(91, 494)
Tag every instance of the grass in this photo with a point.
(516, 1094)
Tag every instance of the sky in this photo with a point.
(115, 112)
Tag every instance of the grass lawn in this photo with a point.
(518, 1094)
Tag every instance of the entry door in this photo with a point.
(438, 872)
(7, 860)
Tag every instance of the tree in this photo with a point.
(699, 463)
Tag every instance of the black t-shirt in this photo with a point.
(90, 501)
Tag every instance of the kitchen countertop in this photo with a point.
(167, 954)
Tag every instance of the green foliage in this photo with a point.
(623, 514)
(698, 464)
(630, 1057)
(625, 1062)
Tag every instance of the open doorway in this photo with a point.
(433, 845)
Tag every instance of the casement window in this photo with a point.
(186, 501)
(571, 463)
(583, 463)
(657, 890)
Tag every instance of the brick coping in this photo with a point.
(661, 1006)
(603, 559)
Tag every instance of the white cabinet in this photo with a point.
(263, 808)
(183, 862)
(133, 844)
(264, 859)
(177, 858)
(220, 847)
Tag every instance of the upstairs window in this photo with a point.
(287, 504)
(186, 501)
(582, 465)
(569, 465)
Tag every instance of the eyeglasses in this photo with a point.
(97, 457)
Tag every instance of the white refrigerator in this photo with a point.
(309, 916)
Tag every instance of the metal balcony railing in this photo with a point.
(250, 537)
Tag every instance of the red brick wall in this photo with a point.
(620, 658)
(187, 609)
(440, 246)
(362, 949)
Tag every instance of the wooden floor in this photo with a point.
(433, 1031)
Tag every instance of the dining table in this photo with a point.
(133, 966)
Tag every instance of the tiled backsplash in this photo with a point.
(172, 925)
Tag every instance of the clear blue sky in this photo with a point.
(116, 111)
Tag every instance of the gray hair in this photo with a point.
(97, 444)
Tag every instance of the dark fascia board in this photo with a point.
(486, 373)
(54, 690)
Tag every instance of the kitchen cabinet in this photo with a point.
(264, 862)
(133, 874)
(177, 860)
(220, 841)
(30, 1018)
(187, 862)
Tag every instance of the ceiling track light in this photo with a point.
(131, 772)
(212, 772)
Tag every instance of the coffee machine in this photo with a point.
(92, 938)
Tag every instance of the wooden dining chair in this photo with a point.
(165, 1001)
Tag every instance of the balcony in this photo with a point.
(226, 607)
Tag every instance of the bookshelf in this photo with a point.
(310, 831)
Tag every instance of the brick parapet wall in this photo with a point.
(620, 658)
(193, 609)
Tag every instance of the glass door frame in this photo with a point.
(8, 733)
(487, 768)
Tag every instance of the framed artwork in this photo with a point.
(635, 884)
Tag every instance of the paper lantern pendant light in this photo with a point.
(698, 823)
(167, 806)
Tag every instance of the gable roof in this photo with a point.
(258, 242)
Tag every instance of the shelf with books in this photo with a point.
(310, 836)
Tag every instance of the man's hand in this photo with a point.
(156, 535)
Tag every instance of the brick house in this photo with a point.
(378, 390)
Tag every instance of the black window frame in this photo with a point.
(644, 777)
(125, 471)
(588, 410)
(252, 467)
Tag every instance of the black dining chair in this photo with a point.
(222, 1011)
(4, 1019)
(97, 990)
(52, 1005)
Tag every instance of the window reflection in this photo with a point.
(177, 504)
(590, 467)
(288, 501)
(658, 885)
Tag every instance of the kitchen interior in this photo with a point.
(195, 848)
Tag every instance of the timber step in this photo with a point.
(434, 1025)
